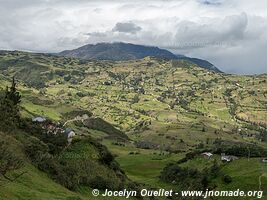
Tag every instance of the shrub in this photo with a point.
(100, 183)
(67, 78)
(63, 173)
(9, 160)
(106, 157)
(35, 149)
(184, 177)
(227, 179)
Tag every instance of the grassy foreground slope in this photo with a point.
(35, 184)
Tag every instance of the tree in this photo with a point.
(12, 94)
(9, 108)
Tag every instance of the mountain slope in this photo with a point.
(117, 51)
(201, 63)
(126, 51)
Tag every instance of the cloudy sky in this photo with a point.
(232, 34)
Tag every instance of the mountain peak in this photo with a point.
(120, 51)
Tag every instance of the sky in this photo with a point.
(231, 34)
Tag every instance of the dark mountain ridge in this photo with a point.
(125, 51)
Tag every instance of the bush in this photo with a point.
(184, 177)
(55, 142)
(240, 149)
(9, 160)
(62, 173)
(106, 157)
(67, 78)
(227, 179)
(35, 149)
(100, 183)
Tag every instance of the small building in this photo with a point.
(207, 155)
(70, 134)
(228, 158)
(82, 117)
(85, 116)
(39, 119)
(107, 83)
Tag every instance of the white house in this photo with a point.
(70, 134)
(207, 155)
(38, 119)
(228, 158)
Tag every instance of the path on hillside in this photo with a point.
(71, 120)
(75, 120)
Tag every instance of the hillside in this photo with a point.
(38, 165)
(126, 51)
(200, 62)
(148, 113)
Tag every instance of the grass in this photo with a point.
(35, 185)
(251, 170)
(245, 173)
(42, 110)
(145, 168)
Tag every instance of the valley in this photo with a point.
(149, 113)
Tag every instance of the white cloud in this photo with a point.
(230, 33)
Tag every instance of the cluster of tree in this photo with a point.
(55, 142)
(142, 125)
(118, 144)
(75, 172)
(252, 123)
(38, 146)
(146, 145)
(239, 149)
(135, 99)
(233, 104)
(188, 178)
(263, 135)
